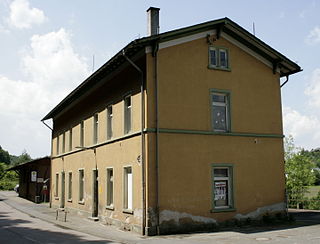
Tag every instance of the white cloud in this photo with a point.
(305, 129)
(23, 16)
(53, 63)
(313, 89)
(53, 69)
(314, 36)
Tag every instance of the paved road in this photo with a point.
(17, 227)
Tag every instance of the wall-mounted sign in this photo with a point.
(220, 192)
(40, 180)
(33, 176)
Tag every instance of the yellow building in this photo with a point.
(178, 131)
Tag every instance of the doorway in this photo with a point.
(62, 199)
(95, 196)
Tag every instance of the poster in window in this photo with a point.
(33, 176)
(220, 190)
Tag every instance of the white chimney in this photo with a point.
(153, 21)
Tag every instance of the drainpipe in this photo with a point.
(50, 195)
(142, 141)
(155, 68)
(287, 79)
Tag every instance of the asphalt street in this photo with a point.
(17, 227)
(22, 221)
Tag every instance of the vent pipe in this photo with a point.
(153, 21)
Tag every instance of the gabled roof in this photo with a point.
(279, 61)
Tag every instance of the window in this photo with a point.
(58, 145)
(127, 204)
(127, 114)
(81, 185)
(222, 187)
(110, 188)
(109, 122)
(56, 194)
(218, 58)
(70, 139)
(82, 134)
(70, 186)
(63, 142)
(95, 128)
(220, 111)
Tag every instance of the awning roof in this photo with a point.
(279, 61)
(17, 167)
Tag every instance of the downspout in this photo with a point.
(50, 196)
(287, 79)
(142, 141)
(155, 60)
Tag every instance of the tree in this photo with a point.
(8, 179)
(24, 157)
(4, 156)
(299, 173)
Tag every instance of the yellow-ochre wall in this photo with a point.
(187, 154)
(120, 151)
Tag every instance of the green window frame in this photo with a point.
(220, 101)
(219, 58)
(222, 181)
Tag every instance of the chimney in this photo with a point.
(153, 21)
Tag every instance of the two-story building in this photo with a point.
(178, 131)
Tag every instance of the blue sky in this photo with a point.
(46, 50)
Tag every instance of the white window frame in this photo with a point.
(218, 51)
(81, 186)
(109, 188)
(127, 189)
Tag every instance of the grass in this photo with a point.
(312, 191)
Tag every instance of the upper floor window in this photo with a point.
(70, 139)
(109, 121)
(63, 142)
(57, 151)
(127, 114)
(95, 128)
(82, 134)
(220, 111)
(218, 58)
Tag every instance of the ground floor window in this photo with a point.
(70, 186)
(127, 204)
(222, 185)
(81, 185)
(56, 193)
(110, 187)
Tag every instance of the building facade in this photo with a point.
(34, 179)
(178, 131)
